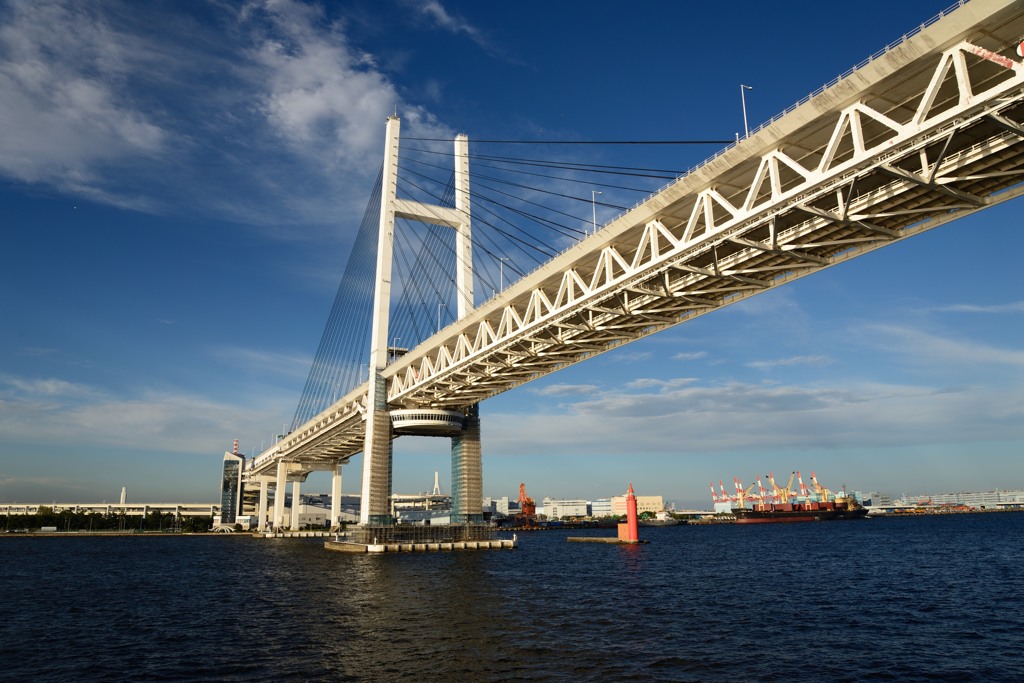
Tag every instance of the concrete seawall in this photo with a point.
(350, 547)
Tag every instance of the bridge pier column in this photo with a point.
(375, 505)
(279, 493)
(296, 504)
(261, 516)
(336, 496)
(467, 472)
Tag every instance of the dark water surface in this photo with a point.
(934, 598)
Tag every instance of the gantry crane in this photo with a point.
(823, 493)
(783, 494)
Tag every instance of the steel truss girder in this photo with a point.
(615, 269)
(655, 267)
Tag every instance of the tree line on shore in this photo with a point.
(69, 520)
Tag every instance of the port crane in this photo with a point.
(714, 496)
(803, 487)
(782, 494)
(761, 495)
(743, 495)
(823, 493)
(527, 506)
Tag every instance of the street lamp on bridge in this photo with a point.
(743, 100)
(593, 206)
(501, 272)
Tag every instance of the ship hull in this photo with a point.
(747, 516)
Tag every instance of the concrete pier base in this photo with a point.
(292, 534)
(352, 547)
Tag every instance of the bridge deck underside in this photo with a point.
(893, 197)
(928, 138)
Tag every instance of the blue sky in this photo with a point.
(180, 183)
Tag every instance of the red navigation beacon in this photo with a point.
(629, 532)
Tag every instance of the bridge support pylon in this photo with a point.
(467, 471)
(377, 445)
(376, 494)
(261, 514)
(279, 494)
(336, 496)
(375, 506)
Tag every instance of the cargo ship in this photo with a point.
(810, 511)
(781, 504)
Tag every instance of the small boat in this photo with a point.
(663, 518)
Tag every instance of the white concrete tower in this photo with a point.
(463, 237)
(376, 491)
(381, 420)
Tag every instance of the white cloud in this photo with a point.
(64, 113)
(41, 388)
(684, 417)
(266, 115)
(56, 412)
(789, 362)
(1011, 307)
(443, 19)
(923, 347)
(628, 356)
(327, 99)
(263, 362)
(566, 390)
(690, 355)
(663, 384)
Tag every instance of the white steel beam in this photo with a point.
(887, 154)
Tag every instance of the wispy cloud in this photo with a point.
(53, 411)
(260, 362)
(63, 110)
(566, 390)
(691, 417)
(628, 356)
(264, 114)
(447, 21)
(1011, 307)
(662, 384)
(35, 388)
(789, 362)
(924, 347)
(690, 355)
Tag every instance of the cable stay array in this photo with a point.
(525, 209)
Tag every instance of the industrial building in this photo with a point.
(651, 504)
(565, 508)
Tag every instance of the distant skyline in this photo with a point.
(180, 184)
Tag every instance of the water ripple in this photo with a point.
(894, 599)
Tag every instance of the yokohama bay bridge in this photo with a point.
(927, 131)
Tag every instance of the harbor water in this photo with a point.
(903, 599)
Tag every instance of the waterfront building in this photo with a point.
(498, 507)
(983, 500)
(565, 508)
(107, 509)
(652, 504)
(873, 498)
(602, 507)
(231, 488)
